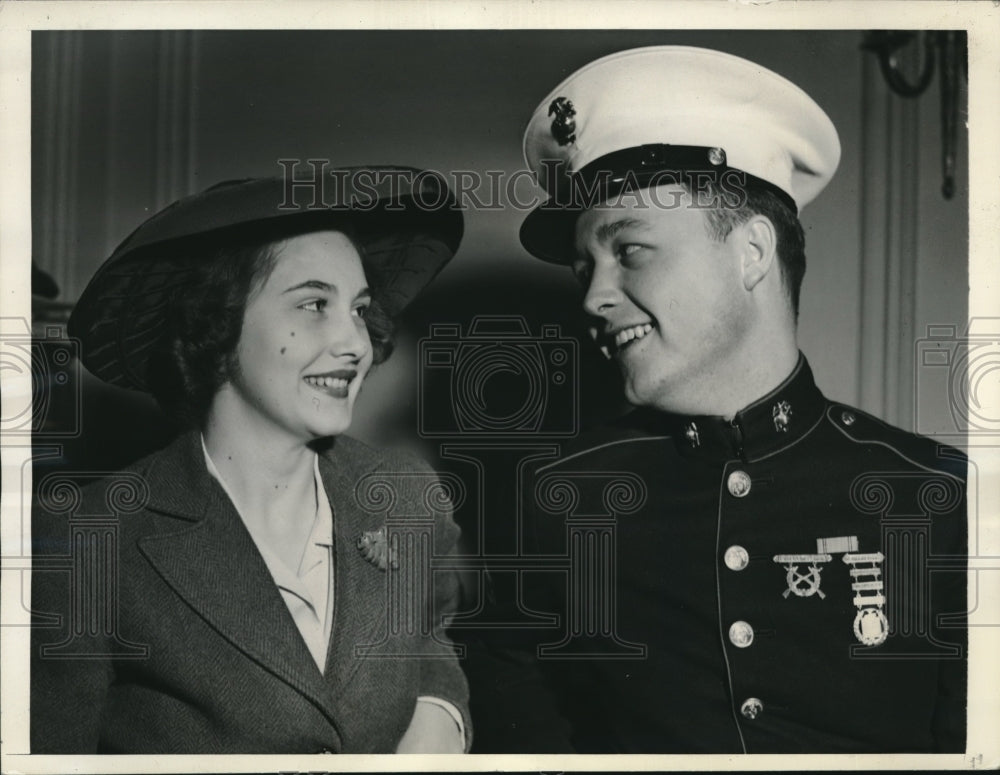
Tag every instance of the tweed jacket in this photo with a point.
(158, 628)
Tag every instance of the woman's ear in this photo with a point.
(761, 250)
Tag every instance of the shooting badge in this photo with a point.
(870, 625)
(802, 584)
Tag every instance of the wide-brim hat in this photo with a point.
(666, 114)
(406, 220)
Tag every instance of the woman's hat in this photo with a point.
(405, 218)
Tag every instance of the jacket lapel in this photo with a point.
(216, 568)
(360, 589)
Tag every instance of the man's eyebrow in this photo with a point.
(608, 231)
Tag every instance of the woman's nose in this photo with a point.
(349, 337)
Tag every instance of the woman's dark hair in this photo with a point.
(196, 355)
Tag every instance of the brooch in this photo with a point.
(374, 547)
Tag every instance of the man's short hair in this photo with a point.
(724, 214)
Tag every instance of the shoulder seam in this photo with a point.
(890, 447)
(599, 446)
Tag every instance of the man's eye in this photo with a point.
(628, 249)
(316, 305)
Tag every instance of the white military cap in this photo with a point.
(633, 117)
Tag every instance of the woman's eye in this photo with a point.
(581, 271)
(316, 305)
(361, 311)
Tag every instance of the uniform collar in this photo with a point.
(768, 425)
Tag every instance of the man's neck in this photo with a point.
(735, 385)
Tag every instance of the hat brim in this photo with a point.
(548, 233)
(406, 219)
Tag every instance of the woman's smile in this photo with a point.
(304, 325)
(333, 383)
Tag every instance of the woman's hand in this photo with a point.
(431, 730)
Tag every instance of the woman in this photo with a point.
(240, 597)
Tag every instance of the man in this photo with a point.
(752, 568)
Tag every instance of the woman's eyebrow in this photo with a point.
(317, 284)
(364, 292)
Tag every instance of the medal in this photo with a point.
(871, 628)
(802, 584)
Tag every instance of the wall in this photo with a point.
(124, 122)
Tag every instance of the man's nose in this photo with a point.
(604, 291)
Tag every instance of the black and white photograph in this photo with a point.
(499, 387)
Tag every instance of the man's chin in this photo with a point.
(639, 394)
(658, 394)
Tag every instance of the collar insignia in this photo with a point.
(781, 413)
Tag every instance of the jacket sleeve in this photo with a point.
(69, 676)
(442, 676)
(518, 698)
(424, 491)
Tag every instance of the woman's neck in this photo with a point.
(269, 476)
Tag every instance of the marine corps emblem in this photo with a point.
(563, 125)
(781, 413)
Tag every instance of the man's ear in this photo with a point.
(760, 250)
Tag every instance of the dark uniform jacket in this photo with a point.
(792, 580)
(170, 635)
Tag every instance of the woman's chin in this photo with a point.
(328, 430)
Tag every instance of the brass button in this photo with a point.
(848, 418)
(741, 634)
(751, 708)
(736, 557)
(738, 484)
